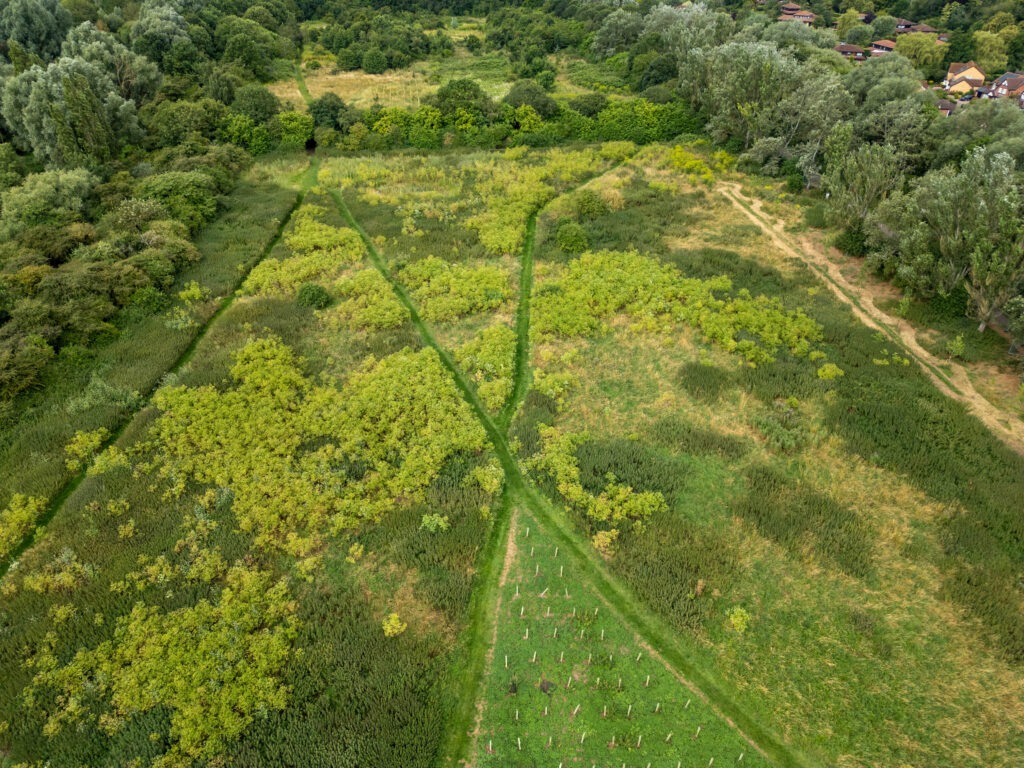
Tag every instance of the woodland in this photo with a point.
(469, 383)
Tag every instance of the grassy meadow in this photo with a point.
(536, 457)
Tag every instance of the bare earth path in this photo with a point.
(949, 377)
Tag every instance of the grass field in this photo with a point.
(476, 406)
(569, 682)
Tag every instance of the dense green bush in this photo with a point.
(313, 296)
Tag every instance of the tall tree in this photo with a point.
(957, 227)
(137, 78)
(69, 114)
(38, 26)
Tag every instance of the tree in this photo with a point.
(136, 77)
(923, 50)
(529, 93)
(738, 86)
(71, 113)
(50, 198)
(621, 28)
(465, 95)
(255, 102)
(296, 129)
(327, 110)
(156, 29)
(957, 227)
(990, 52)
(861, 80)
(846, 22)
(884, 27)
(189, 196)
(857, 181)
(38, 26)
(374, 62)
(861, 35)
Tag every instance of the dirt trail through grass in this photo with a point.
(519, 490)
(65, 491)
(953, 382)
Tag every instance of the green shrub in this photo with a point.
(314, 296)
(571, 237)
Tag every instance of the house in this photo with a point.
(963, 78)
(881, 47)
(984, 93)
(799, 14)
(848, 51)
(946, 107)
(923, 28)
(1008, 86)
(903, 26)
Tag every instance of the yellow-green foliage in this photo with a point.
(17, 520)
(83, 447)
(512, 191)
(107, 461)
(214, 667)
(691, 164)
(380, 439)
(597, 286)
(444, 291)
(615, 506)
(393, 625)
(319, 252)
(367, 301)
(489, 359)
(62, 574)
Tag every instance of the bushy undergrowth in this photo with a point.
(489, 359)
(599, 285)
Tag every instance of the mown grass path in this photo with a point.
(519, 490)
(64, 492)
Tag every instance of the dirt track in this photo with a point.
(955, 384)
